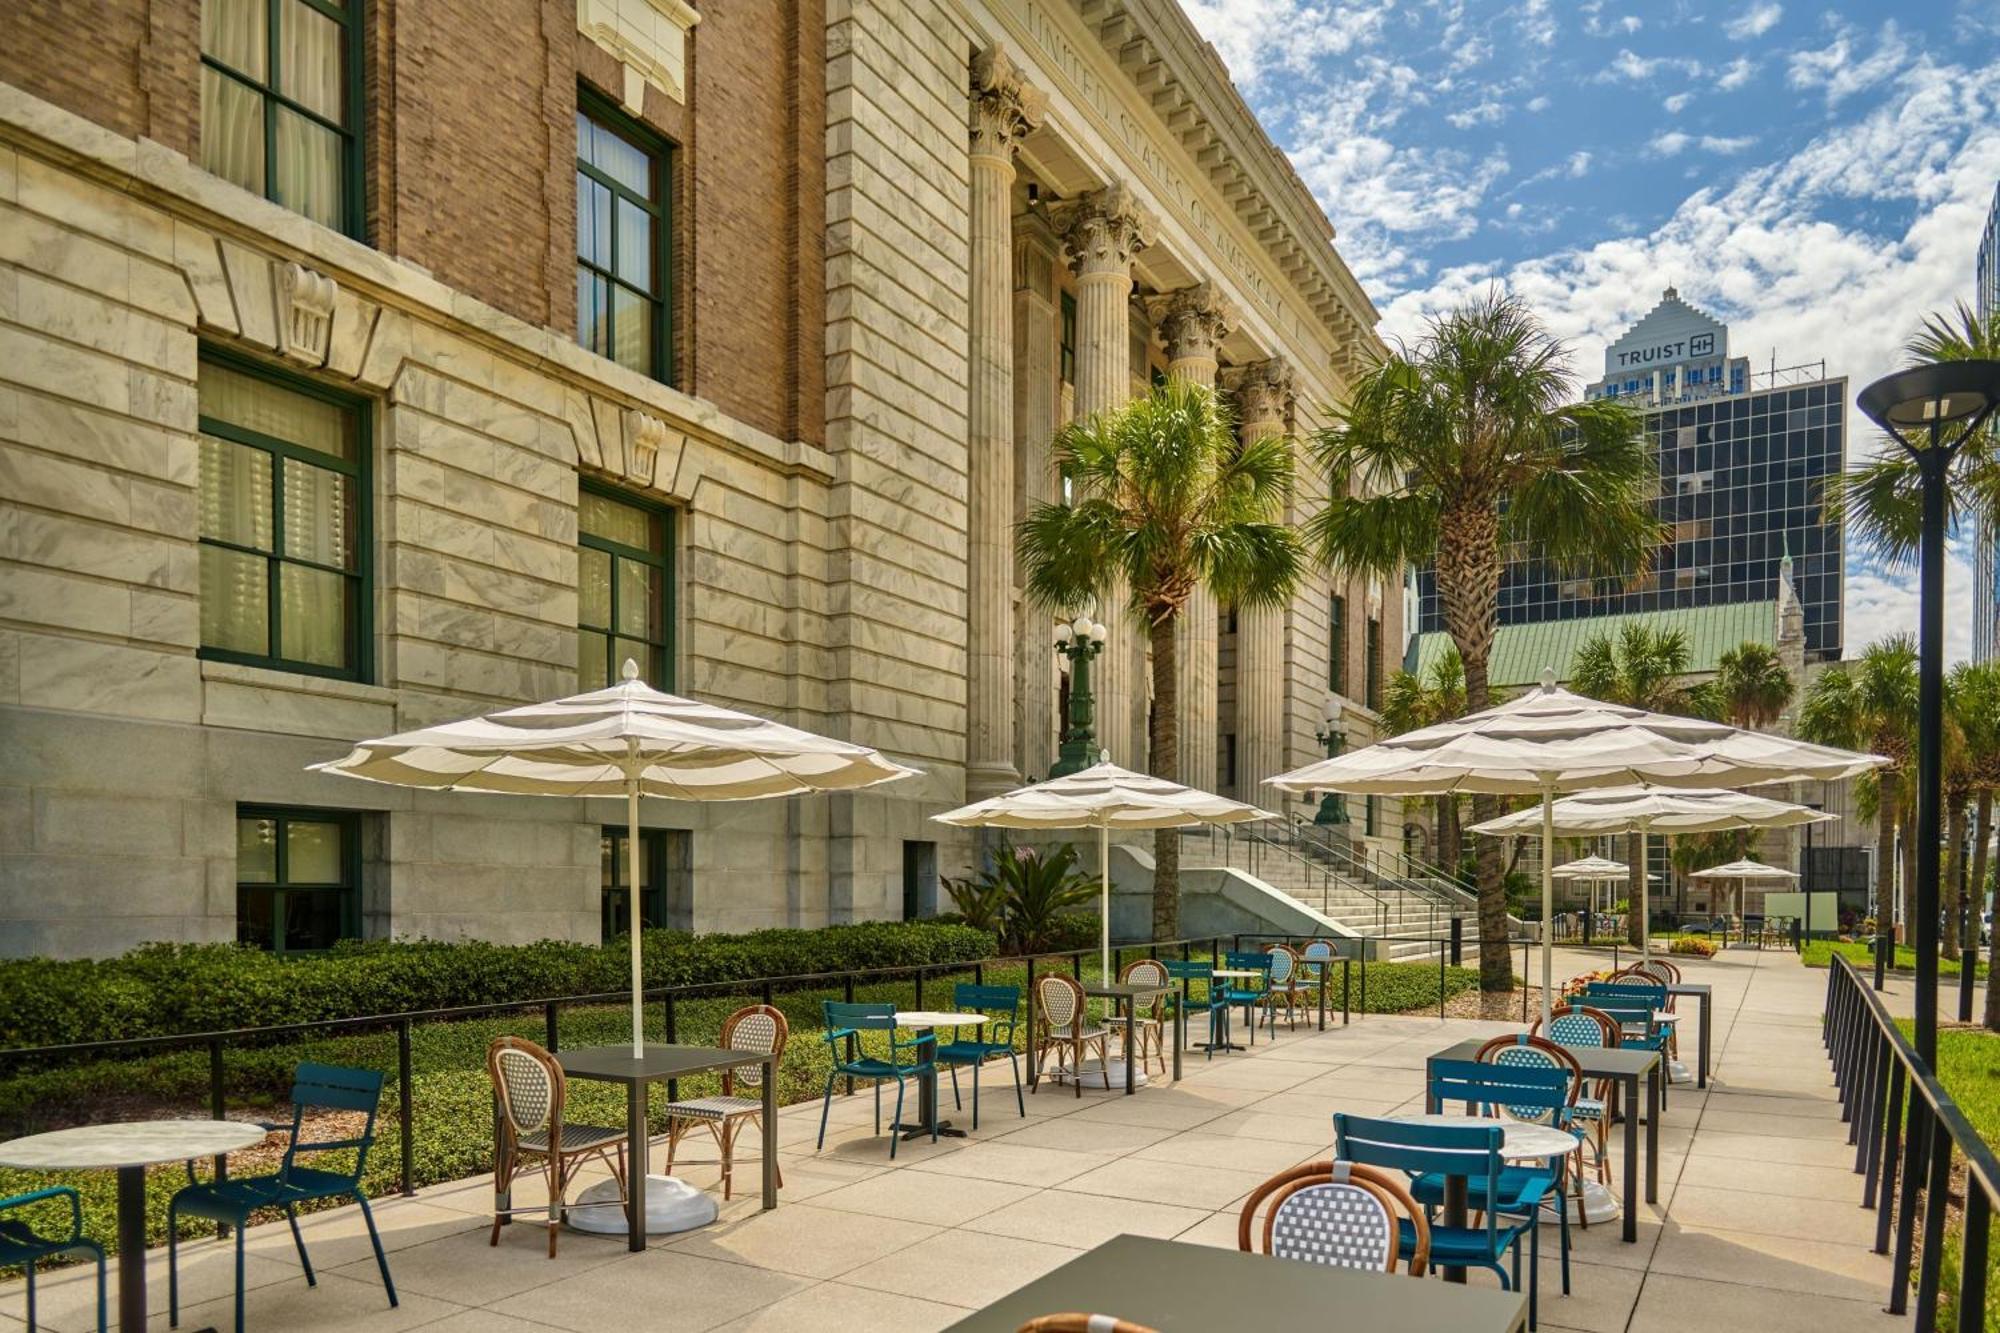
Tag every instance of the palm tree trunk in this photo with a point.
(1908, 825)
(1887, 802)
(1468, 581)
(1635, 886)
(1954, 867)
(1166, 764)
(1979, 863)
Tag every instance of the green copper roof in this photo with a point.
(1520, 652)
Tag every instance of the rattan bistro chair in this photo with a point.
(1339, 1215)
(754, 1029)
(1067, 1029)
(1074, 1322)
(1149, 1031)
(533, 1134)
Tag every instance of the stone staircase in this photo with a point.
(1407, 914)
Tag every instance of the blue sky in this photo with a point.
(1815, 174)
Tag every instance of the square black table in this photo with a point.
(614, 1064)
(1624, 1066)
(1704, 996)
(1130, 996)
(1174, 1286)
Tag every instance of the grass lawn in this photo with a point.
(1818, 953)
(1969, 1067)
(453, 1118)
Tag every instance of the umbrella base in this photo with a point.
(671, 1205)
(1093, 1075)
(1600, 1205)
(1678, 1072)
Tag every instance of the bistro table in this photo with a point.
(129, 1147)
(614, 1064)
(1130, 996)
(1231, 974)
(1627, 1066)
(926, 1022)
(1174, 1286)
(1520, 1141)
(1704, 995)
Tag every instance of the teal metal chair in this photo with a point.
(1213, 1001)
(231, 1200)
(21, 1244)
(848, 1022)
(1251, 995)
(1002, 1007)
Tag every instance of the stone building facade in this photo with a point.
(366, 366)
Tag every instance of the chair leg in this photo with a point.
(956, 1104)
(975, 1088)
(375, 1239)
(29, 1269)
(895, 1136)
(725, 1144)
(1104, 1060)
(673, 1141)
(239, 1279)
(292, 1216)
(1534, 1271)
(101, 1266)
(174, 1269)
(878, 1108)
(1076, 1067)
(1565, 1241)
(1020, 1104)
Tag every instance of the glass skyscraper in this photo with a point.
(1986, 546)
(1742, 466)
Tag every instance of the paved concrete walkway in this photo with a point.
(1759, 1226)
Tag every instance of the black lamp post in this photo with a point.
(1931, 411)
(1080, 640)
(1332, 805)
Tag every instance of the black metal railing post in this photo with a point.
(406, 1103)
(673, 1036)
(551, 1037)
(216, 1106)
(1936, 1195)
(1892, 1152)
(1030, 988)
(1972, 1261)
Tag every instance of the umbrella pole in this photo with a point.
(1548, 901)
(632, 904)
(1645, 912)
(1104, 900)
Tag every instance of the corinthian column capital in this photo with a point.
(1005, 107)
(1103, 231)
(1263, 392)
(1193, 321)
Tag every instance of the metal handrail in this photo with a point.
(1402, 867)
(1256, 842)
(1899, 1115)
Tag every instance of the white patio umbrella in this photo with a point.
(628, 740)
(1593, 870)
(1739, 871)
(1548, 741)
(1104, 797)
(1647, 810)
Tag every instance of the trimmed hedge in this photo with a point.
(165, 989)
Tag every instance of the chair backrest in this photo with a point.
(1145, 972)
(1525, 1050)
(1340, 1214)
(529, 1083)
(754, 1027)
(1062, 1004)
(1579, 1026)
(1665, 970)
(1082, 1323)
(971, 997)
(1527, 1092)
(1625, 1011)
(869, 1016)
(1189, 969)
(318, 1087)
(1284, 963)
(1471, 1150)
(1649, 992)
(1250, 961)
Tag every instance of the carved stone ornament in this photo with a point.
(1263, 391)
(1005, 107)
(645, 435)
(305, 314)
(1193, 321)
(1104, 230)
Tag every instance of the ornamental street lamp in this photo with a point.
(1079, 640)
(1332, 805)
(1931, 411)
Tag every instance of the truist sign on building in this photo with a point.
(1676, 351)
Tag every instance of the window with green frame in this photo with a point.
(1372, 647)
(281, 103)
(1068, 357)
(666, 880)
(624, 240)
(625, 569)
(283, 511)
(298, 878)
(1336, 645)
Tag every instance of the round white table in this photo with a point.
(927, 1022)
(1229, 974)
(129, 1147)
(1523, 1141)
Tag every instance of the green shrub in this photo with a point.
(163, 989)
(1693, 945)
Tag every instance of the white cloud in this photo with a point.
(1671, 143)
(1538, 103)
(1488, 112)
(1727, 146)
(1597, 25)
(1735, 74)
(1677, 103)
(1880, 602)
(1629, 67)
(1262, 38)
(1755, 21)
(1836, 69)
(1578, 164)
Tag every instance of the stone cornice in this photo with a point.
(1191, 93)
(1005, 107)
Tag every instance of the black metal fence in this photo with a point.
(1906, 1129)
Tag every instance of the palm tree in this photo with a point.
(1165, 499)
(1871, 704)
(1644, 668)
(1974, 699)
(1411, 701)
(1752, 686)
(1453, 449)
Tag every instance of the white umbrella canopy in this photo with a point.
(628, 740)
(1549, 741)
(1591, 867)
(1646, 810)
(1104, 797)
(1743, 870)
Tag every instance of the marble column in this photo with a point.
(1263, 392)
(1192, 323)
(1037, 414)
(1003, 110)
(1101, 234)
